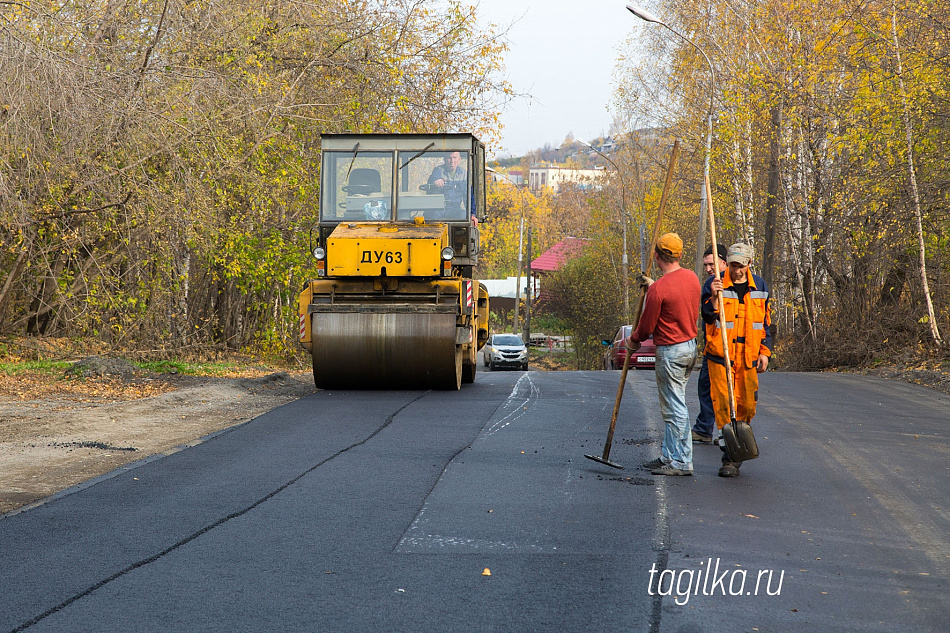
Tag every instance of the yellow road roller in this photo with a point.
(394, 304)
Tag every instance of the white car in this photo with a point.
(505, 350)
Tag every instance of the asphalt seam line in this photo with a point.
(208, 528)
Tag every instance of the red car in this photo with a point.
(643, 358)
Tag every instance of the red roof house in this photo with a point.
(552, 259)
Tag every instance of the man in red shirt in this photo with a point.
(670, 313)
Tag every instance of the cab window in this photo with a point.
(434, 185)
(357, 186)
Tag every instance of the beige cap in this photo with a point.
(740, 254)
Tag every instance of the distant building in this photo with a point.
(514, 176)
(642, 139)
(649, 139)
(501, 292)
(553, 176)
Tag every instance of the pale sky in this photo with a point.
(562, 53)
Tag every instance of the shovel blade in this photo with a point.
(605, 462)
(740, 442)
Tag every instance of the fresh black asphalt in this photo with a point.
(381, 511)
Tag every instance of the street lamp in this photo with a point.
(623, 222)
(703, 203)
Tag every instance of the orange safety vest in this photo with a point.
(752, 316)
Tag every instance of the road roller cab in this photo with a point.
(393, 303)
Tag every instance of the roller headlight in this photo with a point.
(448, 253)
(319, 253)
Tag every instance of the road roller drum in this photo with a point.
(386, 347)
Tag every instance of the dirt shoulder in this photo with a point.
(54, 436)
(937, 378)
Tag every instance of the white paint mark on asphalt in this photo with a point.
(438, 541)
(523, 394)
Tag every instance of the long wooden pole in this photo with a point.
(722, 311)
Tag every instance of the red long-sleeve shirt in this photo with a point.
(671, 309)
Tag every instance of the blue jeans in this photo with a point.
(706, 420)
(673, 365)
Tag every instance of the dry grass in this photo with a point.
(34, 384)
(552, 362)
(35, 368)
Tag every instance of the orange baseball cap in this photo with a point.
(671, 244)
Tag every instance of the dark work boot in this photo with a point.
(729, 469)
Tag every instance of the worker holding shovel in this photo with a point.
(745, 299)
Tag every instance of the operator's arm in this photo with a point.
(438, 177)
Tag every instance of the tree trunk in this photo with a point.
(772, 198)
(44, 302)
(797, 262)
(912, 178)
(12, 277)
(894, 283)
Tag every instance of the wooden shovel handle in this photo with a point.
(722, 311)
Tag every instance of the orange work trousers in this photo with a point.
(745, 381)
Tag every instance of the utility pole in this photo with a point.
(520, 189)
(527, 296)
(518, 272)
